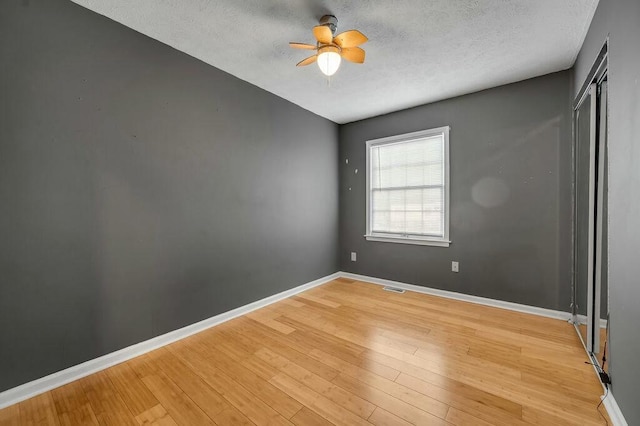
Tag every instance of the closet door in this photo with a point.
(601, 303)
(585, 167)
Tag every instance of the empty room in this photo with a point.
(319, 212)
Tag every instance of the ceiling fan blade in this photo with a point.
(351, 38)
(302, 45)
(323, 34)
(353, 54)
(307, 61)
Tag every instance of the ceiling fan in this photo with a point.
(331, 49)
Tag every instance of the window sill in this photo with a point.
(415, 241)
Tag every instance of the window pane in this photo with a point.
(380, 201)
(433, 223)
(433, 199)
(407, 187)
(397, 200)
(381, 221)
(414, 163)
(408, 211)
(414, 222)
(429, 174)
(397, 222)
(413, 200)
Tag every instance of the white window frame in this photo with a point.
(409, 239)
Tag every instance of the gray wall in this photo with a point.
(142, 190)
(510, 195)
(620, 20)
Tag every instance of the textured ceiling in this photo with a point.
(418, 51)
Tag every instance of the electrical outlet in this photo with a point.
(353, 256)
(455, 267)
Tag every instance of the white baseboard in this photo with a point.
(549, 313)
(52, 381)
(582, 319)
(617, 419)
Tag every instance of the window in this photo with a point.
(408, 188)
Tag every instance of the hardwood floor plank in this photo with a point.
(541, 417)
(387, 402)
(210, 401)
(259, 367)
(544, 398)
(307, 417)
(312, 337)
(142, 366)
(156, 416)
(232, 416)
(10, 416)
(106, 403)
(405, 394)
(460, 418)
(350, 331)
(237, 395)
(289, 348)
(292, 303)
(464, 362)
(335, 346)
(382, 417)
(412, 316)
(270, 320)
(475, 402)
(316, 402)
(586, 391)
(180, 407)
(424, 402)
(72, 405)
(272, 396)
(323, 387)
(134, 393)
(320, 300)
(39, 410)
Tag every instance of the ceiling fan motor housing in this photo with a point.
(331, 22)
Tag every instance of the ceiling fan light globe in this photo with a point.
(329, 62)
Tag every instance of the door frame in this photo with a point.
(597, 74)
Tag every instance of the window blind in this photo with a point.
(407, 187)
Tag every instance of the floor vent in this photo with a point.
(393, 289)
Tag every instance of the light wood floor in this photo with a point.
(345, 353)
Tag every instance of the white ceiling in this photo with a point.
(418, 51)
